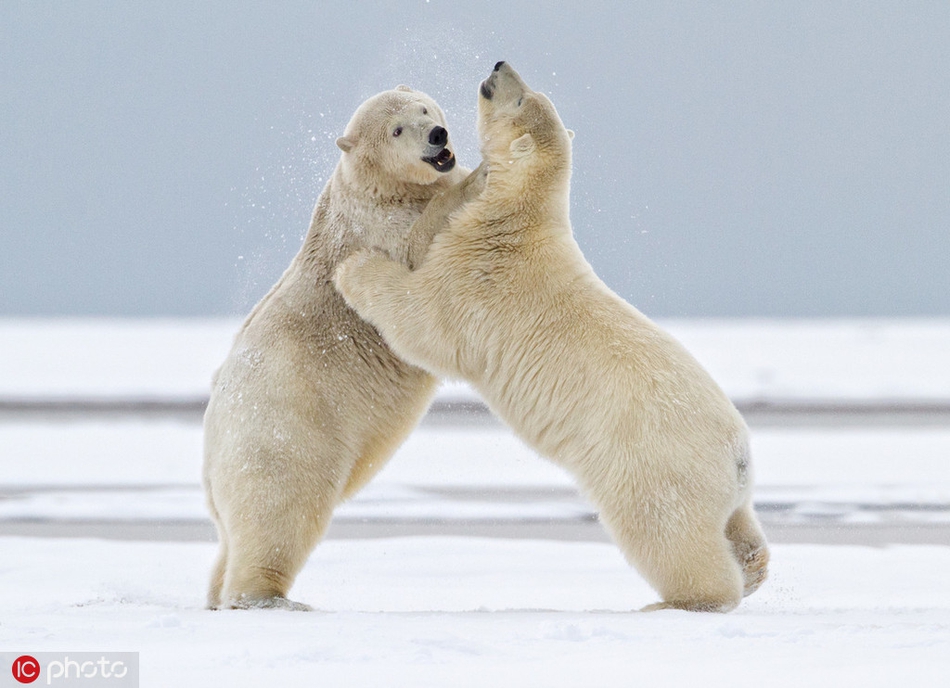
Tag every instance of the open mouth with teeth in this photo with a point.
(443, 161)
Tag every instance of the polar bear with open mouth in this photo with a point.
(311, 402)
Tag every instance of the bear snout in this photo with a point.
(487, 87)
(438, 136)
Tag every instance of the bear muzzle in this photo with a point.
(443, 160)
(488, 87)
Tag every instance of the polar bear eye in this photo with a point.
(397, 131)
(520, 101)
(425, 111)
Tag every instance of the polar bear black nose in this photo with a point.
(498, 65)
(438, 136)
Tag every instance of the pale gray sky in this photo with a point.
(731, 159)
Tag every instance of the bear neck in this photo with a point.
(365, 179)
(349, 217)
(540, 197)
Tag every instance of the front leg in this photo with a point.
(363, 278)
(437, 212)
(379, 290)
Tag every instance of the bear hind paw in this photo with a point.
(276, 602)
(692, 606)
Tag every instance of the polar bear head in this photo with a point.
(396, 138)
(520, 129)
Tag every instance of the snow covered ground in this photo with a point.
(484, 612)
(499, 607)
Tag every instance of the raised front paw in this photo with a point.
(348, 276)
(473, 185)
(365, 277)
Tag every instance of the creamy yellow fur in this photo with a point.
(310, 402)
(505, 300)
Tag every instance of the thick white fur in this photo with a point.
(505, 300)
(310, 402)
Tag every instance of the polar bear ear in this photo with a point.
(522, 146)
(346, 143)
(403, 87)
(570, 134)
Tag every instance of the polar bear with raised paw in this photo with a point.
(505, 300)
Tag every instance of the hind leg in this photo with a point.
(274, 509)
(269, 543)
(261, 573)
(391, 430)
(749, 547)
(261, 570)
(689, 563)
(695, 574)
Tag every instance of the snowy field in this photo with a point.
(469, 561)
(482, 612)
